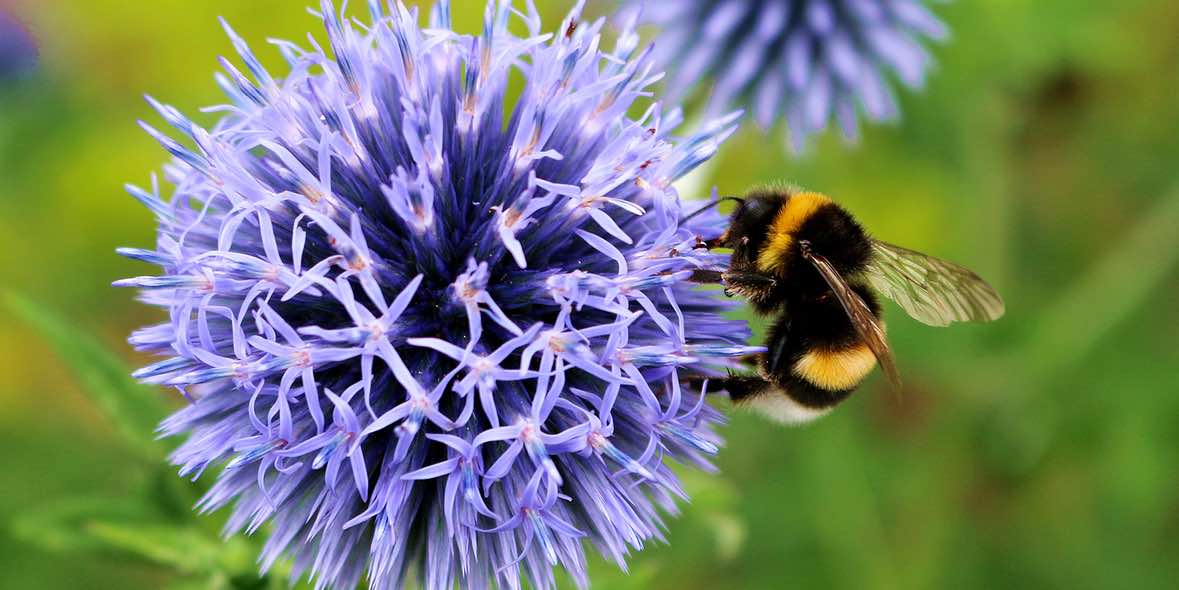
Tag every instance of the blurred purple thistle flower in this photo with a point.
(18, 50)
(802, 60)
(495, 288)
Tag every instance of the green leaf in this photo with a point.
(186, 550)
(641, 575)
(132, 408)
(172, 496)
(224, 581)
(1133, 269)
(218, 581)
(62, 525)
(130, 526)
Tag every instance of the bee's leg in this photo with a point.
(707, 277)
(739, 386)
(751, 361)
(757, 288)
(750, 285)
(747, 284)
(742, 388)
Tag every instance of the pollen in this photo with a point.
(511, 217)
(313, 194)
(302, 358)
(358, 263)
(376, 332)
(466, 291)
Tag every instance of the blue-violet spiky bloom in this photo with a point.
(804, 60)
(18, 52)
(427, 328)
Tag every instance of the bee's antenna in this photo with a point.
(710, 206)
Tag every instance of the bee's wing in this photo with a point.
(861, 317)
(931, 290)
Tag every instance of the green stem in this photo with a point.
(1134, 268)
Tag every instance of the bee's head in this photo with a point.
(749, 222)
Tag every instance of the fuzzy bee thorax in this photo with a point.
(824, 227)
(782, 232)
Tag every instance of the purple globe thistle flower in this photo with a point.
(804, 60)
(428, 328)
(18, 51)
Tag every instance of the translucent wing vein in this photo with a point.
(933, 291)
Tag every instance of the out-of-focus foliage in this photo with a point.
(1036, 452)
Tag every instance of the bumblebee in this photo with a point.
(803, 260)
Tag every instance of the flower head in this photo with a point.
(804, 60)
(18, 51)
(427, 327)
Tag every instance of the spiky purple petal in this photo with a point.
(804, 61)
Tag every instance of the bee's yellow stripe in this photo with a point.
(794, 213)
(837, 370)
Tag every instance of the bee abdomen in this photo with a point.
(835, 370)
(772, 400)
(810, 387)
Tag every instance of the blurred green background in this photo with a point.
(1041, 451)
